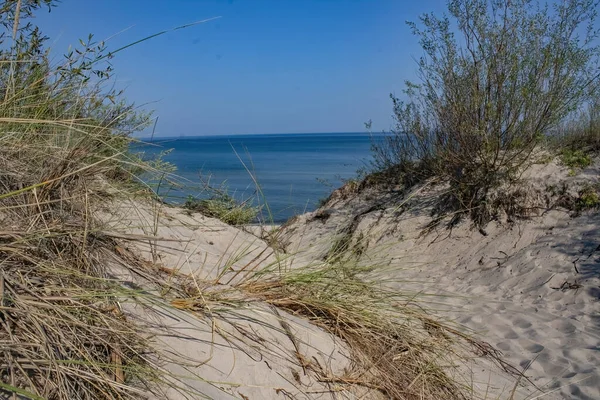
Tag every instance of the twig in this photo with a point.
(290, 335)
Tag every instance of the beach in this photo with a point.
(528, 290)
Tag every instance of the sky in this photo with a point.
(265, 66)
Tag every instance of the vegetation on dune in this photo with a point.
(217, 202)
(395, 346)
(64, 135)
(577, 139)
(589, 197)
(575, 158)
(391, 349)
(495, 80)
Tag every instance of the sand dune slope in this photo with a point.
(237, 348)
(531, 287)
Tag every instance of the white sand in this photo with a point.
(531, 289)
(241, 352)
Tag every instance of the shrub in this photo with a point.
(581, 131)
(588, 198)
(575, 158)
(490, 89)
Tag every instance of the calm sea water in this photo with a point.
(294, 171)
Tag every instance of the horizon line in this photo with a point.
(146, 137)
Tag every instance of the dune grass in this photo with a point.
(386, 332)
(64, 137)
(223, 207)
(64, 333)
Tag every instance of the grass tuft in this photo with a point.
(223, 207)
(65, 133)
(397, 348)
(65, 334)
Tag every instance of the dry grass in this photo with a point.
(63, 334)
(64, 139)
(397, 348)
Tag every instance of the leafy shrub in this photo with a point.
(575, 158)
(580, 132)
(486, 99)
(588, 198)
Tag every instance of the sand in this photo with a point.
(241, 352)
(530, 288)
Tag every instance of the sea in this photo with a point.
(283, 174)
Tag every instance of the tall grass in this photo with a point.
(64, 138)
(387, 334)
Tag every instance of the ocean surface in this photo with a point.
(294, 171)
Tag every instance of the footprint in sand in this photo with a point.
(510, 334)
(503, 346)
(524, 364)
(569, 375)
(521, 323)
(529, 346)
(534, 348)
(563, 326)
(533, 334)
(552, 369)
(576, 392)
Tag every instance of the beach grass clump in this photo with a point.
(64, 137)
(496, 78)
(575, 159)
(589, 197)
(65, 334)
(223, 207)
(396, 347)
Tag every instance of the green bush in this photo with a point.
(580, 132)
(575, 158)
(588, 198)
(491, 87)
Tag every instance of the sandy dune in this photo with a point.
(248, 351)
(530, 288)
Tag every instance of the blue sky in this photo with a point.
(266, 66)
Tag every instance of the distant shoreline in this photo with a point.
(242, 135)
